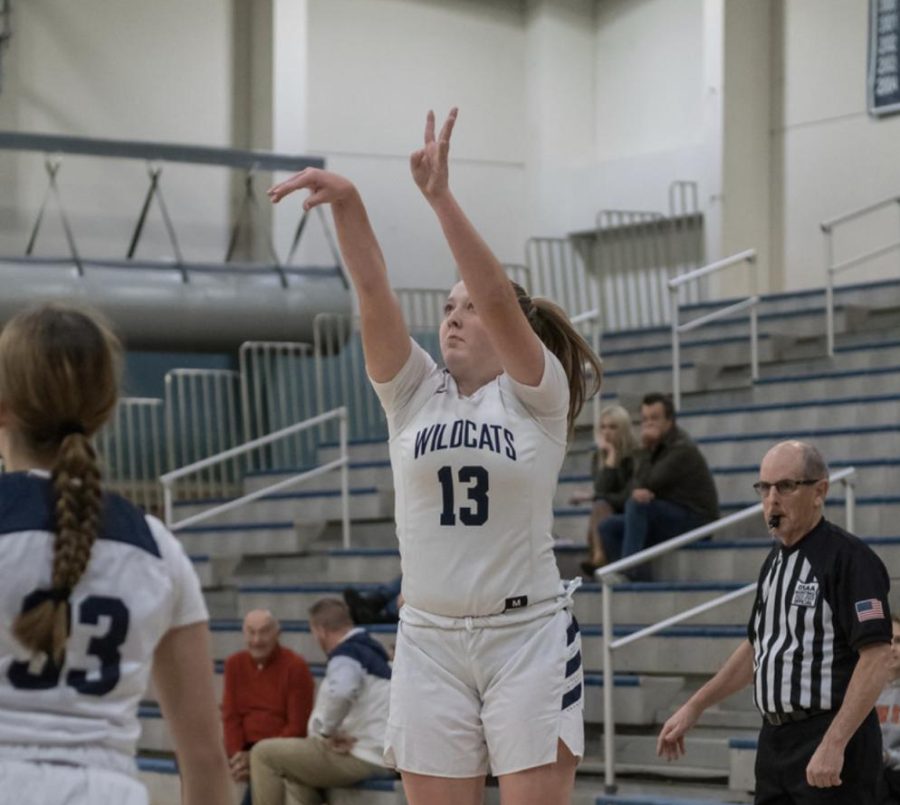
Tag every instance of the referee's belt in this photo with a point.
(777, 719)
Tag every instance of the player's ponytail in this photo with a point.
(59, 380)
(582, 366)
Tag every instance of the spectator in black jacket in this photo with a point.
(673, 489)
(612, 466)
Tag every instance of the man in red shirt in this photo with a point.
(268, 692)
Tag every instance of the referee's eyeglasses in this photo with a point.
(786, 486)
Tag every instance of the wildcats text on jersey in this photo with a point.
(465, 433)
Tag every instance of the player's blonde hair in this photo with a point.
(59, 380)
(583, 367)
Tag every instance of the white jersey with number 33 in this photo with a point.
(138, 584)
(474, 479)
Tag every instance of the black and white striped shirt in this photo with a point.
(817, 604)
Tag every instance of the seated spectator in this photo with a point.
(347, 726)
(268, 693)
(888, 709)
(612, 466)
(673, 489)
(376, 605)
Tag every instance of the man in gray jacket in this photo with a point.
(347, 726)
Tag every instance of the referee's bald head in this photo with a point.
(793, 484)
(810, 461)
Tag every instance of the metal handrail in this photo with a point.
(752, 302)
(602, 575)
(831, 268)
(830, 223)
(169, 479)
(156, 151)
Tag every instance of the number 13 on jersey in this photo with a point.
(472, 487)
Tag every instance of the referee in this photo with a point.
(817, 648)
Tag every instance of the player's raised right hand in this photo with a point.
(324, 188)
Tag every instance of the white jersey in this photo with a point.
(137, 585)
(474, 479)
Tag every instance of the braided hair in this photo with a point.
(59, 378)
(553, 327)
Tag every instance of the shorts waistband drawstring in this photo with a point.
(471, 623)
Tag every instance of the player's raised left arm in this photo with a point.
(517, 345)
(869, 678)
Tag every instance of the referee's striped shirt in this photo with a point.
(817, 603)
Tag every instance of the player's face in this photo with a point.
(465, 345)
(261, 639)
(798, 510)
(895, 651)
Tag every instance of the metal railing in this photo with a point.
(633, 257)
(610, 645)
(558, 272)
(203, 419)
(156, 155)
(752, 302)
(520, 273)
(277, 390)
(629, 256)
(340, 376)
(131, 449)
(342, 462)
(423, 308)
(832, 268)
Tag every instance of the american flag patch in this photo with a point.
(869, 610)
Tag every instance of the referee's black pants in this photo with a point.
(784, 752)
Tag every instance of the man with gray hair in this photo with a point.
(268, 692)
(348, 723)
(817, 647)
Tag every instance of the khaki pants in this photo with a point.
(290, 770)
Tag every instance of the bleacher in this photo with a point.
(284, 551)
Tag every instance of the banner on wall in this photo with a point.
(884, 57)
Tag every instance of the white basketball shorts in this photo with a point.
(472, 698)
(28, 783)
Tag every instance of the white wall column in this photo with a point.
(737, 126)
(560, 112)
(713, 126)
(746, 137)
(290, 96)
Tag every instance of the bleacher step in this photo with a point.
(375, 473)
(632, 603)
(680, 650)
(244, 539)
(740, 560)
(319, 506)
(650, 799)
(742, 762)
